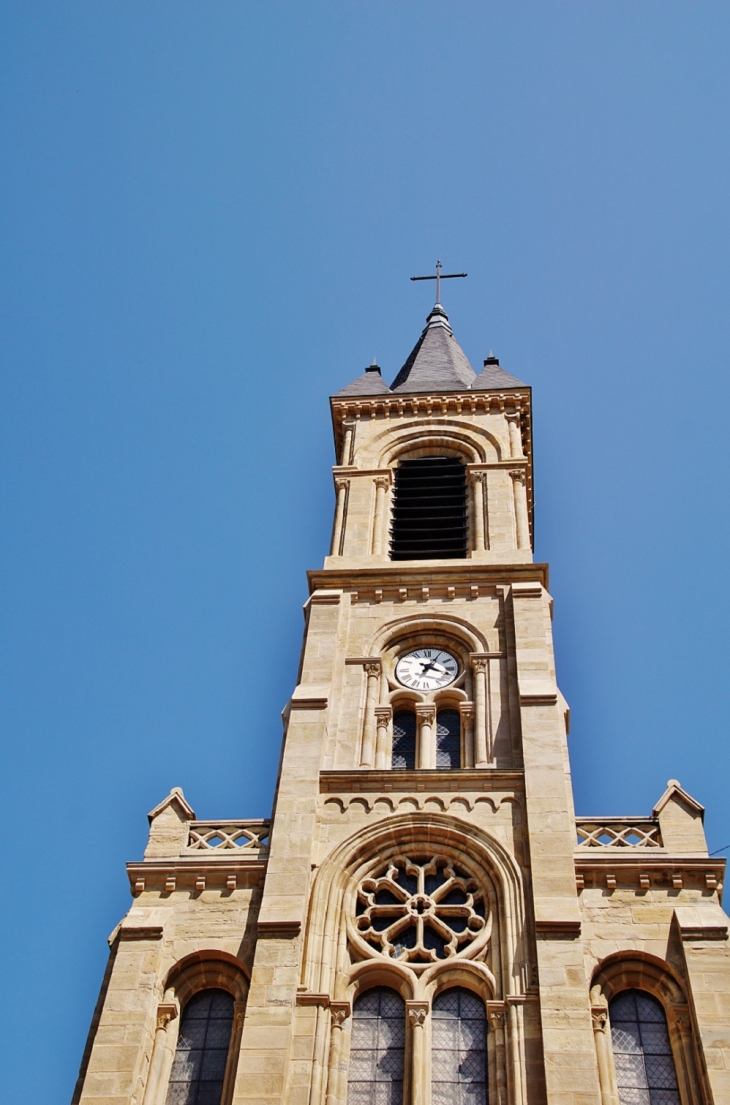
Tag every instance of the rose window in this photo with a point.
(420, 909)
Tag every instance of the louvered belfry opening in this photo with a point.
(429, 511)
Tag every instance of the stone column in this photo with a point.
(340, 1011)
(516, 1065)
(382, 483)
(426, 748)
(519, 480)
(162, 1055)
(417, 1011)
(367, 754)
(349, 428)
(341, 487)
(599, 1017)
(466, 709)
(496, 1014)
(478, 481)
(480, 667)
(383, 717)
(515, 437)
(679, 1024)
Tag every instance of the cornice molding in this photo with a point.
(395, 574)
(432, 779)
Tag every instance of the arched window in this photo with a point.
(645, 1070)
(377, 1050)
(429, 510)
(458, 1049)
(199, 1066)
(404, 740)
(448, 739)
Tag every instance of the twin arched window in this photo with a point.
(642, 1054)
(458, 1049)
(448, 739)
(199, 1067)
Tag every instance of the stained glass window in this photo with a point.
(448, 739)
(458, 1049)
(404, 740)
(377, 1049)
(199, 1066)
(642, 1054)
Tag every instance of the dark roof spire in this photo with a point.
(437, 362)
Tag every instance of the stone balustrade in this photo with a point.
(618, 832)
(225, 837)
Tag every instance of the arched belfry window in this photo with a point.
(458, 1049)
(201, 1055)
(429, 510)
(404, 740)
(377, 1051)
(448, 738)
(645, 1072)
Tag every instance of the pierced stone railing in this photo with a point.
(618, 832)
(228, 837)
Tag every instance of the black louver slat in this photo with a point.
(429, 512)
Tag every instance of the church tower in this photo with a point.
(424, 920)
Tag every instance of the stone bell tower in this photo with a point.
(424, 919)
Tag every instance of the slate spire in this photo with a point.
(437, 362)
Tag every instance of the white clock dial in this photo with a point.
(426, 669)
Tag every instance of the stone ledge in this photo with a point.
(431, 779)
(279, 928)
(558, 930)
(196, 873)
(417, 573)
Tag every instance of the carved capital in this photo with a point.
(599, 1017)
(382, 482)
(426, 714)
(383, 714)
(340, 1011)
(480, 665)
(466, 709)
(372, 668)
(341, 484)
(518, 475)
(496, 1013)
(417, 1011)
(478, 477)
(681, 1017)
(166, 1012)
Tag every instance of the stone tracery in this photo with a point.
(420, 909)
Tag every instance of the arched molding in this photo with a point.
(327, 956)
(403, 699)
(466, 973)
(634, 970)
(208, 970)
(449, 698)
(371, 973)
(454, 632)
(442, 437)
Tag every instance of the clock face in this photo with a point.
(426, 669)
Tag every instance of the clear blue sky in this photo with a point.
(209, 216)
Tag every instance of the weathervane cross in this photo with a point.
(439, 277)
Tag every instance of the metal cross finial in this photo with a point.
(438, 278)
